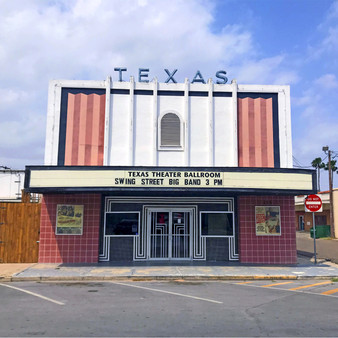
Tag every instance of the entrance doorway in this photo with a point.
(301, 223)
(168, 229)
(169, 233)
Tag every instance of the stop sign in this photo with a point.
(313, 203)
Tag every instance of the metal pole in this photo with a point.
(314, 236)
(331, 196)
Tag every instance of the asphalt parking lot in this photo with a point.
(170, 308)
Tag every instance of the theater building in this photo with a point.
(148, 171)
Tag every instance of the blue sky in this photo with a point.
(291, 42)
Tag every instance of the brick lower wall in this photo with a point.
(70, 248)
(267, 249)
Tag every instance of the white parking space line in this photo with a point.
(33, 294)
(168, 292)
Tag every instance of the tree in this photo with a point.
(318, 164)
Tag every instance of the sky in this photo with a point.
(283, 42)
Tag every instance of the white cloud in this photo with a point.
(267, 71)
(10, 96)
(307, 98)
(314, 121)
(330, 42)
(314, 136)
(328, 46)
(85, 39)
(314, 111)
(18, 132)
(333, 12)
(94, 36)
(327, 81)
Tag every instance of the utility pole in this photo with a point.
(326, 149)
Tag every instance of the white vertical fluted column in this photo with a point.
(131, 123)
(106, 147)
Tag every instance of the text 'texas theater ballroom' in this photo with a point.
(149, 171)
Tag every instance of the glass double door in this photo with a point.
(169, 233)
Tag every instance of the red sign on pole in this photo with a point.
(313, 203)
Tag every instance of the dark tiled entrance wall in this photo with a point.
(121, 249)
(267, 249)
(70, 248)
(217, 249)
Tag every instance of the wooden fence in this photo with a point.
(19, 232)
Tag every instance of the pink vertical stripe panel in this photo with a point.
(269, 122)
(76, 130)
(101, 131)
(82, 128)
(255, 132)
(89, 131)
(244, 132)
(85, 129)
(96, 127)
(264, 134)
(258, 133)
(252, 133)
(69, 129)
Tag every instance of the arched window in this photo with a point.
(170, 131)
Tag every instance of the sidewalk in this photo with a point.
(305, 269)
(7, 270)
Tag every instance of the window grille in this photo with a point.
(170, 131)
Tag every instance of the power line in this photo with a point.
(297, 164)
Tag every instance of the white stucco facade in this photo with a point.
(209, 122)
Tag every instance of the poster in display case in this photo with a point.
(69, 219)
(268, 220)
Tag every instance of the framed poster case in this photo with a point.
(69, 219)
(267, 221)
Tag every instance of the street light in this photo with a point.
(328, 151)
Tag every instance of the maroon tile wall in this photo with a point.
(70, 248)
(85, 248)
(267, 249)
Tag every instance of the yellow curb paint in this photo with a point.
(330, 292)
(245, 282)
(117, 271)
(274, 284)
(308, 286)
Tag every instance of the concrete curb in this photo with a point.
(160, 278)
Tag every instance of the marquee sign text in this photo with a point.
(183, 179)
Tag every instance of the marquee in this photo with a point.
(110, 178)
